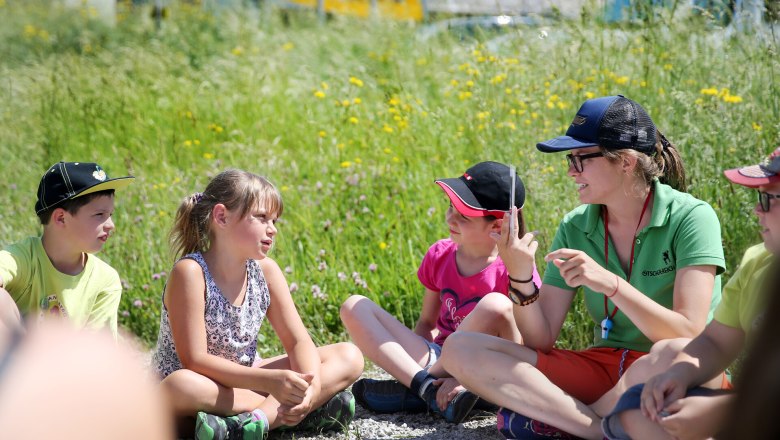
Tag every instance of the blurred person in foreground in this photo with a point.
(60, 382)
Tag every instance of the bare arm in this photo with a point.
(693, 287)
(692, 295)
(426, 325)
(540, 323)
(702, 359)
(185, 302)
(707, 355)
(284, 317)
(10, 318)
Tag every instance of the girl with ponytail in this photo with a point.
(221, 288)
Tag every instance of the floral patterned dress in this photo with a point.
(231, 332)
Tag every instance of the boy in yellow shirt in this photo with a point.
(57, 272)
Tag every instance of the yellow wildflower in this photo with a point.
(208, 155)
(756, 126)
(346, 164)
(667, 67)
(357, 101)
(387, 128)
(345, 103)
(732, 99)
(319, 94)
(288, 46)
(324, 85)
(382, 245)
(353, 120)
(322, 133)
(188, 143)
(709, 91)
(237, 51)
(355, 81)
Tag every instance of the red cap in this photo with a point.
(753, 176)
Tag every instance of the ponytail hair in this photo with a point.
(670, 163)
(664, 163)
(238, 190)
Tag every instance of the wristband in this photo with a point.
(515, 280)
(520, 299)
(617, 284)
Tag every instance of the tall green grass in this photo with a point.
(353, 120)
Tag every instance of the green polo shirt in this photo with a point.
(683, 231)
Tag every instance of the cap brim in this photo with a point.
(563, 143)
(463, 200)
(117, 183)
(751, 177)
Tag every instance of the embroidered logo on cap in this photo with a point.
(99, 174)
(579, 120)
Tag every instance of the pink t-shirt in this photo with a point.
(459, 295)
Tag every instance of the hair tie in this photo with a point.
(196, 197)
(664, 142)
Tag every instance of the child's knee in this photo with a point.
(493, 308)
(349, 307)
(351, 355)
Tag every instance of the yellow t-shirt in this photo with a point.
(89, 299)
(742, 303)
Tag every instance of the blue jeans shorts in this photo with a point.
(434, 353)
(611, 425)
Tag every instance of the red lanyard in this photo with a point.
(633, 242)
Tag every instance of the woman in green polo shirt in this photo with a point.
(647, 257)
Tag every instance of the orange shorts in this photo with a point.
(586, 374)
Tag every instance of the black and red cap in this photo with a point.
(483, 190)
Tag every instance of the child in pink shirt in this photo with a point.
(456, 273)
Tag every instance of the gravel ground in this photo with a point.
(368, 426)
(480, 425)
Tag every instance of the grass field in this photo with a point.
(353, 120)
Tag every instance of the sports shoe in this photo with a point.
(458, 408)
(387, 396)
(241, 426)
(519, 427)
(336, 414)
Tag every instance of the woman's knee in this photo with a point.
(665, 351)
(660, 357)
(457, 346)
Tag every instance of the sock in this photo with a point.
(421, 381)
(259, 415)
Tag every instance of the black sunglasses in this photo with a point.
(764, 200)
(576, 161)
